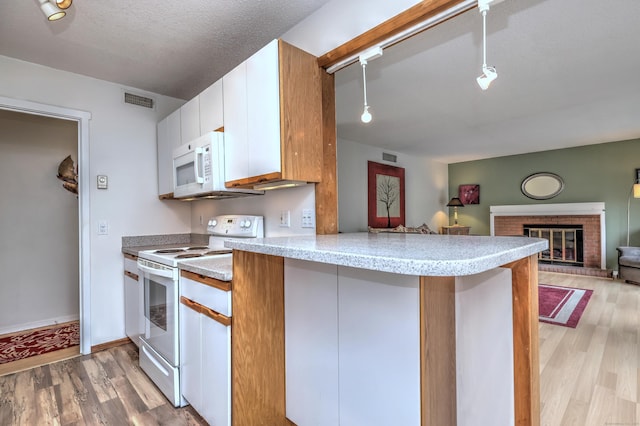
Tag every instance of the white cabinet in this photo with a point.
(133, 294)
(190, 120)
(352, 346)
(211, 108)
(205, 346)
(263, 113)
(236, 142)
(168, 138)
(273, 118)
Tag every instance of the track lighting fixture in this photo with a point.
(365, 57)
(54, 9)
(488, 73)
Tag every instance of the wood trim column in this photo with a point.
(327, 189)
(257, 340)
(438, 351)
(526, 355)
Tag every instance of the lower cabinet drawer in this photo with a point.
(205, 294)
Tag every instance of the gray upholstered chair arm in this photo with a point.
(629, 251)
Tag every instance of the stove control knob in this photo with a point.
(247, 223)
(213, 222)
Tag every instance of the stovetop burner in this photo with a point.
(220, 228)
(212, 252)
(188, 255)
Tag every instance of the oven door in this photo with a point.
(161, 312)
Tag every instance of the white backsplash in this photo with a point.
(268, 205)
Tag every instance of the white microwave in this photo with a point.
(198, 169)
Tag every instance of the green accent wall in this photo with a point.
(592, 173)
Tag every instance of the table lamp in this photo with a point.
(455, 203)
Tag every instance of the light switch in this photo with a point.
(103, 227)
(103, 182)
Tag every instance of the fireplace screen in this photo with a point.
(565, 243)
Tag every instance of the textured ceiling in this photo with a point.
(568, 69)
(175, 48)
(568, 75)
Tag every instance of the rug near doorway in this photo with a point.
(39, 341)
(562, 305)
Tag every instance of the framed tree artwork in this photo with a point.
(386, 195)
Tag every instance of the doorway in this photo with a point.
(79, 119)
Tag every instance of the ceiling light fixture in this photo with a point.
(434, 20)
(365, 57)
(53, 9)
(488, 73)
(63, 4)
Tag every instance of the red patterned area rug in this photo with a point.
(39, 341)
(562, 305)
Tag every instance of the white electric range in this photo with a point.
(159, 345)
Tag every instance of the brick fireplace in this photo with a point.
(511, 220)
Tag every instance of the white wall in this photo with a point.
(122, 146)
(38, 223)
(426, 187)
(269, 205)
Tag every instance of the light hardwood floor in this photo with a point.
(590, 375)
(104, 388)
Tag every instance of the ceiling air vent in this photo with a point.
(389, 157)
(130, 98)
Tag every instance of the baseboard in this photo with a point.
(109, 345)
(38, 324)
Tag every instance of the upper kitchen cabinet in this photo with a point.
(190, 120)
(211, 110)
(273, 118)
(168, 139)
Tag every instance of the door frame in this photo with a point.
(82, 118)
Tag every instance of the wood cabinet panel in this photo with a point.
(258, 363)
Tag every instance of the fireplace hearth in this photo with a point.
(589, 217)
(566, 245)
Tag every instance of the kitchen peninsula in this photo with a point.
(379, 329)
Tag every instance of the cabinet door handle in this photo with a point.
(132, 275)
(191, 304)
(216, 316)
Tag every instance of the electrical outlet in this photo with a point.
(308, 218)
(285, 218)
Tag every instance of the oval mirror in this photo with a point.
(542, 186)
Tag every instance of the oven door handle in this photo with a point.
(153, 271)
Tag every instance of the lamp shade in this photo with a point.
(636, 190)
(455, 202)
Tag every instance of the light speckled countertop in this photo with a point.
(407, 254)
(218, 267)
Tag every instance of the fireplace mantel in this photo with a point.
(565, 209)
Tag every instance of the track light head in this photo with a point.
(63, 4)
(488, 75)
(52, 12)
